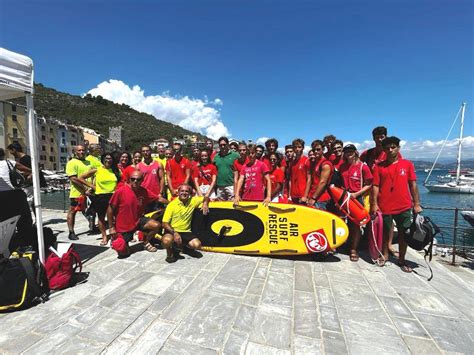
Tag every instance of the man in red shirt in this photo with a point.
(260, 151)
(298, 173)
(272, 145)
(255, 180)
(395, 194)
(375, 155)
(289, 157)
(195, 159)
(328, 142)
(336, 157)
(319, 172)
(125, 213)
(152, 172)
(240, 162)
(178, 170)
(210, 149)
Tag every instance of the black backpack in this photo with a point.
(421, 234)
(23, 281)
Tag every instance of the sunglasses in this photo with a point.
(135, 179)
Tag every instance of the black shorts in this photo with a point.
(186, 237)
(127, 236)
(100, 203)
(74, 202)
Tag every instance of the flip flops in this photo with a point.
(405, 268)
(150, 248)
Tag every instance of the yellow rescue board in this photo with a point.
(279, 229)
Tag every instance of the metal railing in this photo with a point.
(468, 232)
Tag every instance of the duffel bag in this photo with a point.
(60, 269)
(22, 281)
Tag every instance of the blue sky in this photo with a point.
(281, 69)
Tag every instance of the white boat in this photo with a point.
(456, 184)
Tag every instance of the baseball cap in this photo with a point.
(349, 147)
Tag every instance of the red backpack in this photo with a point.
(59, 270)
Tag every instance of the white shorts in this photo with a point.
(205, 188)
(225, 193)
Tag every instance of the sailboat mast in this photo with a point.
(458, 169)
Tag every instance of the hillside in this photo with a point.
(100, 114)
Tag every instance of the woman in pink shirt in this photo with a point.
(254, 178)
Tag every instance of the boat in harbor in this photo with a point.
(468, 216)
(462, 182)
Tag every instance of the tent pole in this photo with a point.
(35, 170)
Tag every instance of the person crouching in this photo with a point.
(177, 221)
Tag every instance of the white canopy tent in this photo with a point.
(16, 80)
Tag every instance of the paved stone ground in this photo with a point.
(234, 304)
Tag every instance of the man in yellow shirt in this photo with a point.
(76, 167)
(94, 155)
(177, 221)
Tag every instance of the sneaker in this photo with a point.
(73, 236)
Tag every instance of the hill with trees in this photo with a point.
(99, 114)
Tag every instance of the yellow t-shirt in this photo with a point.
(179, 215)
(105, 181)
(163, 165)
(76, 167)
(94, 161)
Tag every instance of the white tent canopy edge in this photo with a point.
(16, 80)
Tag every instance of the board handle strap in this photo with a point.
(281, 210)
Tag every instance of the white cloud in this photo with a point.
(428, 149)
(262, 140)
(193, 114)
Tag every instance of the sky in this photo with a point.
(257, 69)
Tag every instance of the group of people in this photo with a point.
(121, 188)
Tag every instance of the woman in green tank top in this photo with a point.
(103, 185)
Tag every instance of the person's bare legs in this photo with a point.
(390, 243)
(355, 239)
(103, 228)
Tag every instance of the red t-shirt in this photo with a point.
(276, 176)
(129, 206)
(254, 177)
(194, 164)
(315, 177)
(351, 174)
(209, 171)
(298, 174)
(371, 157)
(177, 170)
(213, 154)
(151, 180)
(336, 162)
(392, 179)
(266, 160)
(238, 166)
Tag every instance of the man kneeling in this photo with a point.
(177, 221)
(125, 212)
